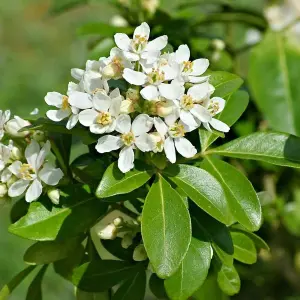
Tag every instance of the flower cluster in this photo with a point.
(166, 96)
(24, 168)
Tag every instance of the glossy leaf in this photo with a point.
(202, 188)
(47, 224)
(191, 273)
(50, 251)
(229, 280)
(244, 248)
(157, 287)
(240, 194)
(9, 288)
(236, 104)
(133, 288)
(35, 289)
(277, 92)
(115, 248)
(82, 295)
(100, 275)
(114, 182)
(271, 147)
(166, 228)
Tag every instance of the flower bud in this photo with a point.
(127, 241)
(150, 5)
(111, 71)
(127, 107)
(15, 153)
(13, 126)
(3, 190)
(132, 94)
(54, 195)
(39, 136)
(158, 142)
(164, 108)
(218, 44)
(139, 253)
(118, 221)
(108, 233)
(118, 21)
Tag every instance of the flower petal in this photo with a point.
(150, 92)
(50, 175)
(34, 191)
(187, 118)
(142, 30)
(109, 143)
(171, 118)
(171, 91)
(170, 150)
(98, 128)
(199, 66)
(77, 73)
(31, 153)
(182, 54)
(131, 56)
(201, 113)
(6, 175)
(80, 100)
(15, 168)
(199, 91)
(149, 57)
(220, 103)
(58, 115)
(219, 125)
(115, 93)
(157, 44)
(141, 124)
(160, 126)
(42, 155)
(185, 147)
(18, 188)
(126, 159)
(54, 99)
(122, 41)
(72, 121)
(87, 117)
(144, 142)
(134, 77)
(101, 101)
(201, 79)
(123, 124)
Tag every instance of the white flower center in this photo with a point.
(213, 108)
(177, 130)
(128, 138)
(26, 172)
(104, 118)
(186, 102)
(187, 66)
(156, 76)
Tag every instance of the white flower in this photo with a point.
(35, 111)
(5, 154)
(109, 232)
(54, 195)
(139, 48)
(175, 139)
(132, 135)
(4, 117)
(13, 126)
(189, 71)
(215, 106)
(189, 106)
(115, 64)
(33, 173)
(101, 117)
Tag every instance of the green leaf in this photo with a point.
(114, 182)
(47, 224)
(166, 228)
(6, 291)
(271, 147)
(202, 188)
(82, 295)
(290, 217)
(276, 91)
(18, 210)
(133, 288)
(191, 273)
(225, 83)
(102, 29)
(35, 289)
(240, 194)
(100, 275)
(229, 280)
(114, 247)
(60, 6)
(47, 252)
(236, 104)
(244, 248)
(157, 287)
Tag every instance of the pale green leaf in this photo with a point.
(229, 280)
(35, 289)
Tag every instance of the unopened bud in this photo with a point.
(118, 21)
(127, 107)
(218, 44)
(111, 71)
(15, 153)
(139, 253)
(158, 142)
(108, 233)
(118, 221)
(13, 126)
(54, 195)
(164, 108)
(127, 241)
(133, 95)
(39, 136)
(150, 5)
(3, 190)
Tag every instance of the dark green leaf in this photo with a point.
(35, 289)
(157, 287)
(133, 288)
(115, 248)
(271, 147)
(100, 275)
(277, 91)
(202, 188)
(291, 218)
(229, 280)
(166, 228)
(114, 182)
(244, 248)
(9, 288)
(81, 295)
(240, 194)
(191, 273)
(236, 104)
(47, 252)
(19, 210)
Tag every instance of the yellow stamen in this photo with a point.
(104, 118)
(177, 130)
(65, 103)
(26, 172)
(187, 66)
(187, 102)
(156, 76)
(128, 138)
